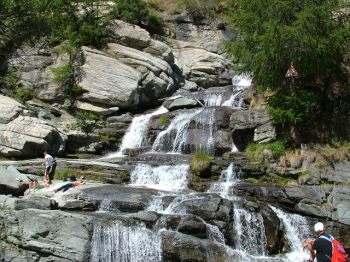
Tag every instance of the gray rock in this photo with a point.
(27, 136)
(124, 118)
(9, 109)
(148, 217)
(104, 111)
(341, 204)
(182, 247)
(190, 86)
(37, 202)
(251, 125)
(50, 233)
(108, 81)
(202, 67)
(12, 182)
(135, 37)
(180, 103)
(265, 133)
(194, 226)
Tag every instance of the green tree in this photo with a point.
(313, 34)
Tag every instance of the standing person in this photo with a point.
(47, 164)
(324, 247)
(322, 244)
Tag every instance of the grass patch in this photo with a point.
(163, 120)
(200, 164)
(256, 151)
(23, 94)
(88, 121)
(273, 179)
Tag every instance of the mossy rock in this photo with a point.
(201, 165)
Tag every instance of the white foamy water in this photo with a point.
(105, 205)
(215, 233)
(119, 243)
(242, 81)
(297, 231)
(136, 134)
(227, 179)
(250, 232)
(212, 99)
(166, 177)
(172, 139)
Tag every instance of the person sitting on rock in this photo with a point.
(35, 186)
(69, 185)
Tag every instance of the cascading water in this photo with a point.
(297, 230)
(166, 177)
(116, 242)
(135, 136)
(172, 139)
(250, 232)
(212, 99)
(105, 205)
(227, 179)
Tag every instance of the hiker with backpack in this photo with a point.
(325, 248)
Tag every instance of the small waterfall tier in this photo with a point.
(165, 177)
(297, 231)
(250, 232)
(119, 243)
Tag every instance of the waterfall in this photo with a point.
(297, 230)
(215, 233)
(136, 133)
(227, 179)
(233, 100)
(212, 99)
(250, 232)
(166, 177)
(116, 242)
(105, 205)
(178, 127)
(242, 81)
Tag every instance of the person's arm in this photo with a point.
(308, 244)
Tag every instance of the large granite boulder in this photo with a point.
(29, 136)
(9, 109)
(138, 38)
(108, 81)
(55, 235)
(12, 181)
(34, 65)
(207, 33)
(204, 68)
(159, 78)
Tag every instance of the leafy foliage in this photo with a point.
(24, 93)
(131, 11)
(293, 107)
(88, 121)
(271, 34)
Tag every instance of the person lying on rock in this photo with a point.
(69, 185)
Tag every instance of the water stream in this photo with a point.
(116, 242)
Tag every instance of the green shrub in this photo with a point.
(154, 19)
(88, 121)
(23, 93)
(200, 164)
(164, 119)
(65, 77)
(9, 80)
(131, 11)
